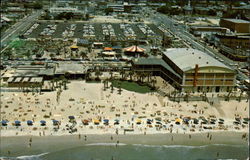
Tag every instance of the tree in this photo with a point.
(108, 11)
(37, 5)
(131, 73)
(87, 17)
(122, 73)
(97, 74)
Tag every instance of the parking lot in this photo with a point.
(96, 31)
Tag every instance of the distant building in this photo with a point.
(236, 25)
(234, 41)
(234, 46)
(245, 9)
(207, 30)
(189, 70)
(188, 9)
(58, 10)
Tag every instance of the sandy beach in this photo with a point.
(88, 101)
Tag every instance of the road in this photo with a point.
(181, 31)
(19, 27)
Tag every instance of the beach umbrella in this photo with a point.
(246, 119)
(236, 122)
(237, 119)
(117, 122)
(71, 117)
(220, 119)
(18, 123)
(186, 120)
(220, 122)
(138, 121)
(4, 123)
(106, 121)
(178, 121)
(158, 122)
(29, 122)
(55, 122)
(149, 121)
(85, 122)
(96, 121)
(196, 121)
(43, 123)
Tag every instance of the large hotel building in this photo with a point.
(189, 70)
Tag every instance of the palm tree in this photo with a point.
(131, 73)
(111, 74)
(112, 87)
(153, 82)
(97, 74)
(122, 72)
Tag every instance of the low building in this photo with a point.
(71, 70)
(234, 41)
(24, 82)
(189, 70)
(236, 25)
(207, 30)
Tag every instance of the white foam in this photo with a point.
(31, 157)
(184, 146)
(28, 157)
(105, 144)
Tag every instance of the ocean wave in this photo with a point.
(26, 157)
(105, 144)
(186, 146)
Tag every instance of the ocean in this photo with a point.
(111, 151)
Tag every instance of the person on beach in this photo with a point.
(85, 137)
(210, 137)
(172, 138)
(207, 135)
(117, 143)
(217, 154)
(111, 138)
(79, 136)
(190, 136)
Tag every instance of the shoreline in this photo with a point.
(19, 146)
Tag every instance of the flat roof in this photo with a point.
(187, 58)
(236, 20)
(154, 61)
(72, 68)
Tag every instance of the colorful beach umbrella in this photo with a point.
(29, 122)
(4, 123)
(17, 123)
